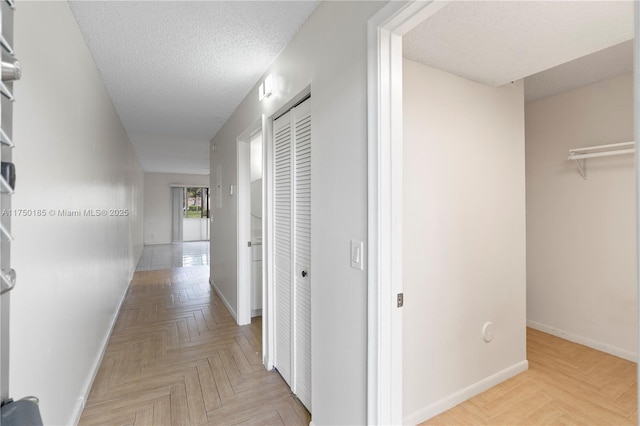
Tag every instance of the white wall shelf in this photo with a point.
(580, 155)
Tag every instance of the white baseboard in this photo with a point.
(462, 395)
(77, 412)
(224, 300)
(594, 344)
(256, 312)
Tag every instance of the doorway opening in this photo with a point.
(386, 208)
(190, 213)
(250, 224)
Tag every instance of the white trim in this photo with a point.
(384, 351)
(464, 394)
(78, 408)
(243, 218)
(636, 132)
(243, 235)
(576, 338)
(82, 399)
(224, 299)
(379, 326)
(268, 332)
(297, 99)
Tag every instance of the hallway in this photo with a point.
(176, 356)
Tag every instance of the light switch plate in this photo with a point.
(357, 255)
(218, 186)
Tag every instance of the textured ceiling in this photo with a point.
(607, 63)
(177, 70)
(496, 42)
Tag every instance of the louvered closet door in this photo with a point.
(292, 230)
(283, 206)
(302, 251)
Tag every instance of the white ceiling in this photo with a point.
(177, 70)
(607, 63)
(496, 42)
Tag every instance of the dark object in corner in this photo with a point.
(24, 412)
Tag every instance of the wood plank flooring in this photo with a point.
(177, 357)
(566, 384)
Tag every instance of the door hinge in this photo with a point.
(248, 243)
(400, 300)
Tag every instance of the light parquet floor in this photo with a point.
(566, 384)
(177, 357)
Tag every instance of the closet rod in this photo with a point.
(579, 155)
(592, 148)
(601, 154)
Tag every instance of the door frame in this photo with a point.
(175, 233)
(268, 246)
(384, 79)
(268, 238)
(636, 136)
(384, 272)
(243, 212)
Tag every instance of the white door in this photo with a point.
(292, 252)
(283, 212)
(302, 251)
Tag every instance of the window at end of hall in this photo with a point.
(196, 203)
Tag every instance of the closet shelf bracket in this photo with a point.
(580, 155)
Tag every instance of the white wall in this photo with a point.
(71, 153)
(581, 276)
(157, 203)
(464, 238)
(329, 53)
